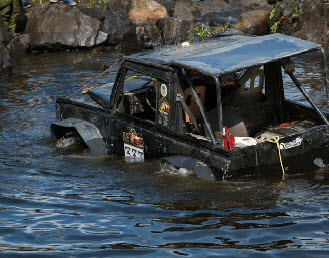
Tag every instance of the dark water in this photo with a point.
(64, 204)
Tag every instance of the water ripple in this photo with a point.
(71, 204)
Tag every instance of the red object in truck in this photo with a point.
(192, 73)
(229, 141)
(227, 80)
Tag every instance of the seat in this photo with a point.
(231, 119)
(190, 102)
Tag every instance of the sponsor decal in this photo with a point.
(133, 146)
(163, 107)
(289, 145)
(164, 90)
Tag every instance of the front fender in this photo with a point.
(88, 132)
(200, 169)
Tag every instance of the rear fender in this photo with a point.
(88, 132)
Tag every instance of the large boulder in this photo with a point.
(146, 12)
(115, 23)
(253, 22)
(305, 19)
(313, 26)
(56, 24)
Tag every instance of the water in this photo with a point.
(63, 204)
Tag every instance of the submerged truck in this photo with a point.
(216, 106)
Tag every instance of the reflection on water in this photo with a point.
(59, 203)
(309, 70)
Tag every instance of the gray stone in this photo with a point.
(115, 25)
(56, 24)
(251, 4)
(148, 36)
(173, 30)
(5, 59)
(19, 45)
(253, 22)
(4, 36)
(229, 16)
(6, 62)
(129, 43)
(311, 24)
(140, 38)
(120, 4)
(190, 10)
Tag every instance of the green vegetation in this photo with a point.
(224, 27)
(199, 32)
(92, 57)
(292, 20)
(91, 3)
(133, 77)
(76, 61)
(203, 31)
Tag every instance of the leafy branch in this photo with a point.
(199, 32)
(203, 31)
(292, 20)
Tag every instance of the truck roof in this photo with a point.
(227, 53)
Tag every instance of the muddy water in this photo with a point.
(65, 204)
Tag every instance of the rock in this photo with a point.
(114, 19)
(169, 5)
(4, 35)
(140, 38)
(50, 25)
(129, 42)
(148, 37)
(122, 15)
(271, 2)
(305, 19)
(251, 4)
(5, 59)
(119, 4)
(190, 10)
(234, 12)
(146, 12)
(173, 30)
(21, 20)
(19, 45)
(229, 16)
(56, 25)
(253, 22)
(6, 62)
(312, 25)
(115, 26)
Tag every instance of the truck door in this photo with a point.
(144, 111)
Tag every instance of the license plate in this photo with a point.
(133, 154)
